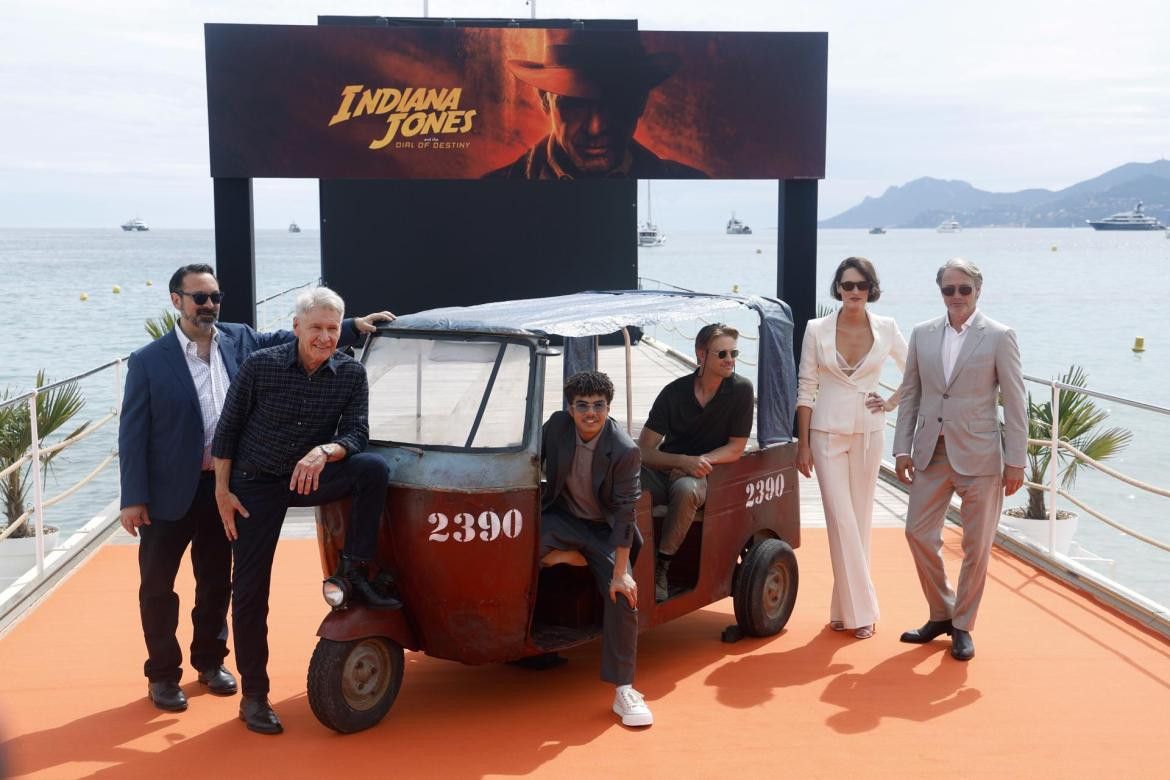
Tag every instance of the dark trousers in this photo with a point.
(619, 627)
(160, 550)
(267, 498)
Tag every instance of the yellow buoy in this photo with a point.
(1139, 344)
(735, 288)
(117, 289)
(84, 296)
(149, 283)
(1054, 247)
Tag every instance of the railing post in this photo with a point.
(38, 498)
(1053, 467)
(118, 388)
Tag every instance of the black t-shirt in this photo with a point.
(690, 429)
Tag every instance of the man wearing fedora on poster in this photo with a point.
(593, 87)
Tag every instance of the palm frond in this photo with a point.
(159, 326)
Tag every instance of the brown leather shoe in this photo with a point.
(259, 716)
(167, 696)
(218, 681)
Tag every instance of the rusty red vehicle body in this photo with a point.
(456, 407)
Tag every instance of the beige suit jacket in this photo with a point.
(964, 409)
(837, 399)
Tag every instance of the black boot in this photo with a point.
(661, 578)
(362, 591)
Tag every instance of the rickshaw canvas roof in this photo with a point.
(582, 314)
(599, 313)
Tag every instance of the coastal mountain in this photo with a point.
(925, 202)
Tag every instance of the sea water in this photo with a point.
(1074, 296)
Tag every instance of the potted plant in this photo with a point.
(55, 408)
(1079, 423)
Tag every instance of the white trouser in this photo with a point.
(846, 466)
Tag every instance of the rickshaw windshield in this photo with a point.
(450, 393)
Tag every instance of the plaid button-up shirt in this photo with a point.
(275, 412)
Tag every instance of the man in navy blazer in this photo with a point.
(587, 511)
(174, 392)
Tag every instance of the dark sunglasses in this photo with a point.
(848, 286)
(949, 290)
(723, 353)
(200, 298)
(597, 407)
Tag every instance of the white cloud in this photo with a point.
(1004, 93)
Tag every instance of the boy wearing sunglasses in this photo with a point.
(587, 512)
(697, 421)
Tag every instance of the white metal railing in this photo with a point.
(36, 455)
(264, 316)
(1056, 444)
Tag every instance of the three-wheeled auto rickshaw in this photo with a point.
(457, 399)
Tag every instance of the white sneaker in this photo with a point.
(631, 707)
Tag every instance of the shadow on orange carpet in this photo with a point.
(1059, 687)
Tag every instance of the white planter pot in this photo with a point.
(19, 555)
(1036, 531)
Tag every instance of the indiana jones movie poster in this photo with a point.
(468, 103)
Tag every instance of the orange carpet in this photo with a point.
(1059, 688)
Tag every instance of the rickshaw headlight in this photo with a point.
(336, 592)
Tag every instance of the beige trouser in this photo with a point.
(930, 495)
(846, 466)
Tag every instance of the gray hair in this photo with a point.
(964, 266)
(319, 298)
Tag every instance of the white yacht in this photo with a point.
(135, 225)
(1127, 220)
(950, 226)
(737, 228)
(650, 234)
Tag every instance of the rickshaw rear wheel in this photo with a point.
(765, 588)
(352, 684)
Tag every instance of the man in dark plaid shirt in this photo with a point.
(292, 433)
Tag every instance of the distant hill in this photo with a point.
(926, 202)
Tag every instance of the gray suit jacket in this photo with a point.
(617, 468)
(964, 409)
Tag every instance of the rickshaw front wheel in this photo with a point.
(765, 588)
(352, 684)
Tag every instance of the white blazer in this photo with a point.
(837, 400)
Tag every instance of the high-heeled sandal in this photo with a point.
(865, 632)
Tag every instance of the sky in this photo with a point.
(103, 105)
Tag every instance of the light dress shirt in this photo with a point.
(953, 344)
(578, 496)
(211, 384)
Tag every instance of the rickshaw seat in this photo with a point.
(571, 557)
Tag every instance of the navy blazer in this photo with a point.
(617, 466)
(160, 431)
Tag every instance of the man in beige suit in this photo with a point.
(949, 440)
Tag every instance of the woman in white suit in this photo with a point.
(840, 420)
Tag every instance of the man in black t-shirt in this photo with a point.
(697, 421)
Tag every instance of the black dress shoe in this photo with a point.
(218, 681)
(259, 716)
(364, 591)
(932, 628)
(962, 648)
(167, 696)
